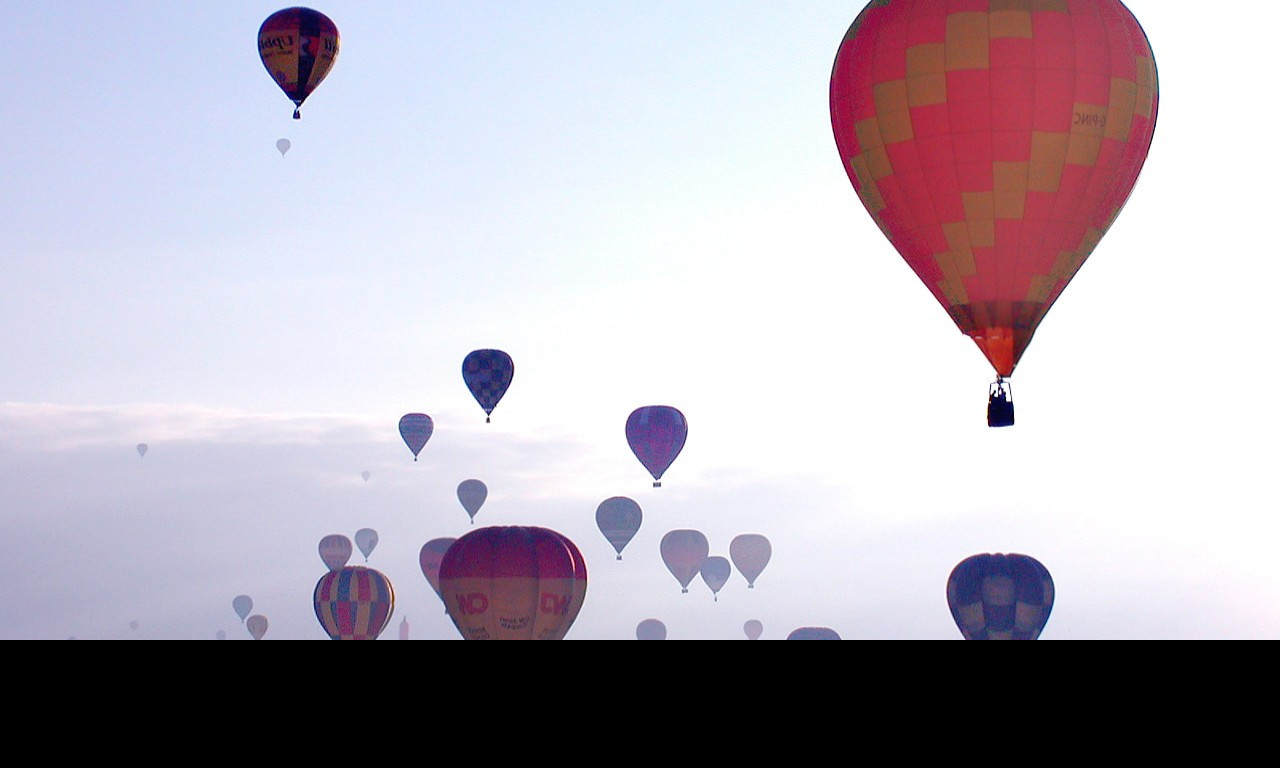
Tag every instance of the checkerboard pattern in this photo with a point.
(994, 142)
(354, 603)
(1000, 597)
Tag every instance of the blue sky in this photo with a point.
(642, 203)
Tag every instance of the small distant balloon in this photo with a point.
(618, 518)
(257, 625)
(715, 572)
(429, 559)
(651, 629)
(366, 540)
(335, 551)
(133, 625)
(813, 633)
(365, 475)
(142, 449)
(243, 605)
(656, 434)
(416, 429)
(753, 629)
(404, 628)
(221, 634)
(472, 494)
(750, 553)
(488, 373)
(684, 551)
(283, 145)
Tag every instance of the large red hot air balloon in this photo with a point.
(298, 47)
(513, 583)
(994, 143)
(354, 603)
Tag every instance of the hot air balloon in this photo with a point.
(416, 430)
(813, 633)
(354, 603)
(618, 518)
(335, 551)
(429, 559)
(1000, 597)
(365, 475)
(684, 552)
(472, 494)
(512, 583)
(488, 373)
(715, 572)
(243, 605)
(404, 628)
(221, 634)
(283, 146)
(750, 553)
(366, 540)
(753, 629)
(257, 625)
(298, 47)
(579, 596)
(656, 434)
(651, 629)
(994, 145)
(142, 449)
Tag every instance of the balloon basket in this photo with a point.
(999, 404)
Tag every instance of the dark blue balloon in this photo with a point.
(1000, 597)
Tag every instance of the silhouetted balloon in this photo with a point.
(142, 449)
(416, 430)
(366, 540)
(429, 558)
(257, 625)
(365, 475)
(651, 629)
(753, 629)
(243, 605)
(354, 603)
(750, 553)
(283, 145)
(656, 434)
(335, 551)
(221, 634)
(994, 145)
(1000, 597)
(512, 583)
(684, 552)
(298, 46)
(488, 374)
(715, 572)
(813, 633)
(618, 518)
(472, 494)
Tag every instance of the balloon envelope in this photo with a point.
(813, 633)
(753, 629)
(656, 434)
(354, 603)
(335, 551)
(512, 583)
(472, 494)
(365, 475)
(750, 553)
(243, 605)
(715, 572)
(1000, 597)
(416, 429)
(429, 558)
(257, 625)
(993, 145)
(683, 552)
(366, 540)
(283, 145)
(651, 629)
(618, 518)
(488, 374)
(298, 46)
(142, 449)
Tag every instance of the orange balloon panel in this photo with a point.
(298, 47)
(994, 142)
(512, 583)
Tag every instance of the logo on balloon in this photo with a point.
(556, 605)
(472, 604)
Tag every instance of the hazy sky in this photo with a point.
(642, 203)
